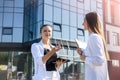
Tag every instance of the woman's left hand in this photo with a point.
(59, 63)
(82, 57)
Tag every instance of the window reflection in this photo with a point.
(18, 10)
(65, 32)
(26, 37)
(57, 27)
(19, 3)
(57, 30)
(81, 11)
(73, 3)
(56, 35)
(73, 18)
(1, 9)
(48, 9)
(65, 1)
(93, 6)
(99, 5)
(80, 32)
(65, 17)
(87, 4)
(18, 20)
(15, 34)
(40, 2)
(48, 22)
(64, 6)
(57, 15)
(8, 3)
(80, 5)
(6, 9)
(80, 1)
(58, 0)
(57, 4)
(7, 31)
(80, 21)
(48, 1)
(73, 9)
(1, 2)
(6, 38)
(1, 18)
(8, 19)
(73, 33)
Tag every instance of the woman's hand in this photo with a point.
(59, 63)
(55, 49)
(79, 51)
(82, 57)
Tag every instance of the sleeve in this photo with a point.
(96, 50)
(37, 55)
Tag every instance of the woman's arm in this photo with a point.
(37, 55)
(49, 54)
(96, 49)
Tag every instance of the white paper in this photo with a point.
(81, 44)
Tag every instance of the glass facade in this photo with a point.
(11, 16)
(20, 21)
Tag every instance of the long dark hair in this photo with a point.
(95, 25)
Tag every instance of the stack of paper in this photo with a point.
(81, 44)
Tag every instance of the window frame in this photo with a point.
(57, 24)
(5, 32)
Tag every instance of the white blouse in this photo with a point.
(40, 72)
(95, 62)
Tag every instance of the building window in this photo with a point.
(7, 31)
(30, 35)
(81, 1)
(108, 37)
(99, 4)
(115, 39)
(81, 34)
(115, 12)
(57, 27)
(112, 11)
(57, 31)
(115, 63)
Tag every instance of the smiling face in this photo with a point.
(46, 32)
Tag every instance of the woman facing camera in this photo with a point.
(44, 54)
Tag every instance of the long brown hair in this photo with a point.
(95, 25)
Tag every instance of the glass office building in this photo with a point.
(20, 21)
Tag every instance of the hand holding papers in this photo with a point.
(81, 44)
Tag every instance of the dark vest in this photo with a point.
(50, 66)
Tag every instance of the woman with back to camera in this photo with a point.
(44, 54)
(95, 55)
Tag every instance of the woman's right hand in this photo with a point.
(79, 51)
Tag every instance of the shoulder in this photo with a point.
(95, 37)
(34, 44)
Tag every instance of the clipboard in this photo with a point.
(64, 60)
